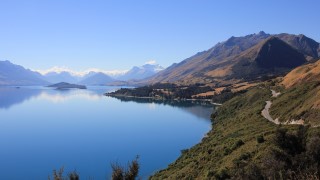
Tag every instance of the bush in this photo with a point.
(58, 175)
(291, 143)
(260, 139)
(238, 144)
(313, 149)
(73, 175)
(125, 173)
(223, 174)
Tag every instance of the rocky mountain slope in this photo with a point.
(222, 63)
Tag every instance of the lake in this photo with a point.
(42, 129)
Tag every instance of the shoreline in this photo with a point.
(154, 98)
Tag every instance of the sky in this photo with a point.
(105, 34)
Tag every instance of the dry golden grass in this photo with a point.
(219, 90)
(242, 86)
(306, 73)
(209, 93)
(220, 72)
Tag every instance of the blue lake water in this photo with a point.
(42, 129)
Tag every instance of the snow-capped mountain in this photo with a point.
(97, 79)
(56, 77)
(98, 76)
(142, 72)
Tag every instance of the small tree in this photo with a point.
(58, 175)
(133, 170)
(73, 175)
(125, 173)
(117, 171)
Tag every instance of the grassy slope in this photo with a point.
(232, 150)
(237, 120)
(300, 101)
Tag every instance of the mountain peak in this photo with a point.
(261, 33)
(147, 70)
(247, 57)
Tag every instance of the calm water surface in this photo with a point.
(42, 129)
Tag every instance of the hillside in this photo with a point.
(307, 73)
(244, 145)
(300, 97)
(11, 74)
(216, 65)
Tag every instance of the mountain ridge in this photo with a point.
(211, 65)
(12, 74)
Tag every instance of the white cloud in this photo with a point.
(151, 62)
(58, 69)
(108, 72)
(152, 106)
(113, 73)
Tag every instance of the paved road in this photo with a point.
(266, 114)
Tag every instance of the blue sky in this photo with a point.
(119, 34)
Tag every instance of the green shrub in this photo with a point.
(223, 174)
(238, 144)
(260, 139)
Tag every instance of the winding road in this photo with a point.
(266, 114)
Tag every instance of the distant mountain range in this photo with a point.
(97, 79)
(103, 78)
(250, 57)
(247, 58)
(55, 77)
(142, 72)
(11, 74)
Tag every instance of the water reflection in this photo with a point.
(10, 96)
(58, 96)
